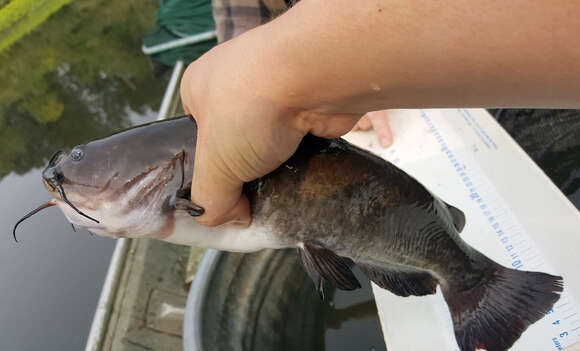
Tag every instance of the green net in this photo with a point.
(178, 19)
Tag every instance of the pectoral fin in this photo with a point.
(400, 280)
(320, 262)
(180, 202)
(312, 272)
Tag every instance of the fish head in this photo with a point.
(84, 172)
(77, 181)
(104, 190)
(122, 185)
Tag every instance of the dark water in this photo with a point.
(78, 76)
(51, 280)
(552, 139)
(265, 301)
(351, 321)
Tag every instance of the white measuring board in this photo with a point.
(514, 214)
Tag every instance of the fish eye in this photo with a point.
(77, 154)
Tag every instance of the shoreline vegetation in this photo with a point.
(19, 17)
(71, 71)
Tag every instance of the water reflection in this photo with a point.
(80, 75)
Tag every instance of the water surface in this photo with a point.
(79, 75)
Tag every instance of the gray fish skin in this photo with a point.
(334, 202)
(362, 207)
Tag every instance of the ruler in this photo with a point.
(515, 216)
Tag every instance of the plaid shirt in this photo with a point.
(233, 17)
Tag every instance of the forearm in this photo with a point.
(323, 64)
(339, 56)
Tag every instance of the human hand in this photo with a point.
(232, 145)
(378, 120)
(246, 129)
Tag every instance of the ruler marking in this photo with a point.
(568, 310)
(507, 229)
(490, 206)
(500, 213)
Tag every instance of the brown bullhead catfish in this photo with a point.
(335, 203)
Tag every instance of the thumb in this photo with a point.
(217, 190)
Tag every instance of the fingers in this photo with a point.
(380, 124)
(363, 124)
(241, 214)
(325, 125)
(215, 188)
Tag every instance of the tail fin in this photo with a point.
(493, 314)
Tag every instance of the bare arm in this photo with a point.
(379, 54)
(323, 64)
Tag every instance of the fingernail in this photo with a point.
(385, 142)
(240, 222)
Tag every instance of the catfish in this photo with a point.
(337, 204)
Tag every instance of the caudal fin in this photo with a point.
(492, 315)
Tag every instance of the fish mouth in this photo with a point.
(53, 179)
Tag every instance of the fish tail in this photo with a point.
(495, 312)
